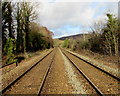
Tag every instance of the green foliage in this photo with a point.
(76, 44)
(36, 42)
(26, 38)
(7, 22)
(105, 38)
(72, 44)
(84, 44)
(65, 43)
(107, 41)
(9, 50)
(95, 43)
(111, 35)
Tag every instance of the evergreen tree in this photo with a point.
(111, 35)
(7, 22)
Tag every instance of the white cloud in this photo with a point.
(59, 14)
(55, 15)
(74, 13)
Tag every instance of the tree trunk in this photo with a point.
(115, 45)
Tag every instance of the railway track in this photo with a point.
(11, 66)
(116, 77)
(28, 74)
(45, 76)
(33, 81)
(94, 75)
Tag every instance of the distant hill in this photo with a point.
(72, 36)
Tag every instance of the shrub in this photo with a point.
(65, 43)
(9, 50)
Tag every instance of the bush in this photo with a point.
(9, 50)
(37, 42)
(65, 43)
(95, 43)
(72, 44)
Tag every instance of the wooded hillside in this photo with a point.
(20, 34)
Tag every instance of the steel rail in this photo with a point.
(115, 77)
(90, 82)
(45, 76)
(9, 85)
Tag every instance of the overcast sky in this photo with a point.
(68, 17)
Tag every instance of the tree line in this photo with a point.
(18, 36)
(104, 38)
